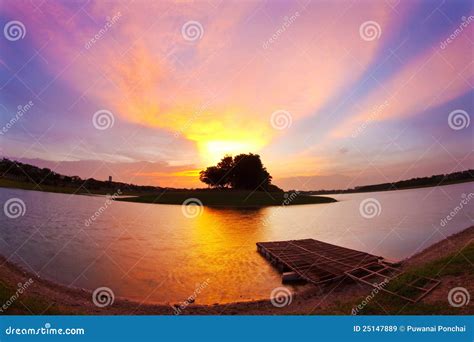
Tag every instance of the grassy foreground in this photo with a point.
(230, 198)
(458, 265)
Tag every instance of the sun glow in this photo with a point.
(213, 151)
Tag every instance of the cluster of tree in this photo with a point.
(242, 172)
(435, 180)
(22, 172)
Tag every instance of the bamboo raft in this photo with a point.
(319, 262)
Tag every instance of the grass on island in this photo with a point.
(207, 197)
(458, 264)
(230, 198)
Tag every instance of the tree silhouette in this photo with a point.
(243, 172)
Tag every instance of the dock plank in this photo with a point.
(313, 260)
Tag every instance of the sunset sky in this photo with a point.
(331, 94)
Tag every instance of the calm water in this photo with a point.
(154, 253)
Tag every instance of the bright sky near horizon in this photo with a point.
(331, 94)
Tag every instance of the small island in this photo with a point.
(240, 181)
(230, 198)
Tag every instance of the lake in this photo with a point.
(154, 253)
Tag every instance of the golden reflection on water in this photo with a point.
(221, 248)
(217, 225)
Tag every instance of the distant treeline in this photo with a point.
(455, 177)
(20, 172)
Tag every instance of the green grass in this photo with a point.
(452, 265)
(230, 198)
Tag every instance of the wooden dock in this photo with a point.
(319, 262)
(312, 260)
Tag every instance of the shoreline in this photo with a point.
(48, 297)
(240, 199)
(135, 197)
(343, 192)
